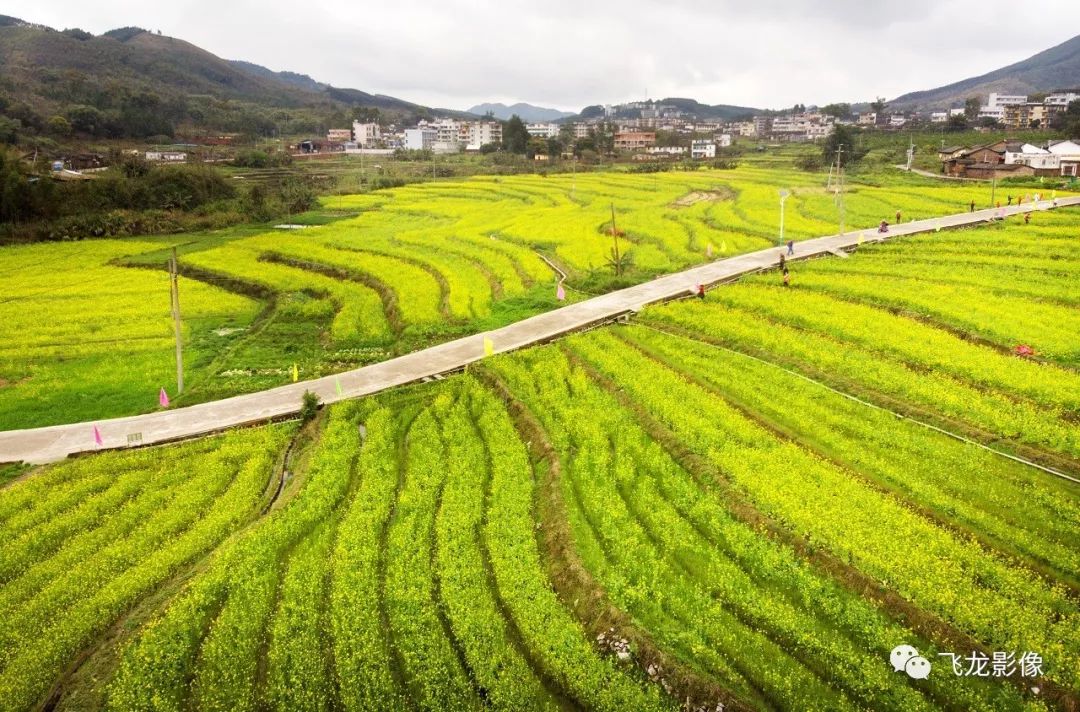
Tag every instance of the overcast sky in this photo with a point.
(570, 53)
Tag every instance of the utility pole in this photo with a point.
(910, 152)
(573, 173)
(783, 198)
(615, 238)
(175, 294)
(840, 185)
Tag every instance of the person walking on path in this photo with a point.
(791, 247)
(783, 262)
(972, 206)
(1010, 199)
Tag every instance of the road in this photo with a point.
(49, 444)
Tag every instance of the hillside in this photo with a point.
(527, 112)
(691, 108)
(1054, 69)
(131, 82)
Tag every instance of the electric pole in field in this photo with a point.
(783, 198)
(615, 238)
(175, 294)
(840, 184)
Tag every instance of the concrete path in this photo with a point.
(40, 445)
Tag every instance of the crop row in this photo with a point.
(732, 604)
(943, 573)
(62, 602)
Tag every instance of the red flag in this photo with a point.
(97, 436)
(163, 398)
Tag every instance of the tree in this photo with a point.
(9, 130)
(879, 105)
(1068, 121)
(972, 105)
(848, 138)
(957, 122)
(515, 135)
(59, 125)
(86, 119)
(840, 111)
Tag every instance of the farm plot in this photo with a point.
(87, 335)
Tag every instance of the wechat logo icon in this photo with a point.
(907, 658)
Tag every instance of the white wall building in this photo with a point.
(481, 133)
(543, 130)
(1063, 99)
(723, 140)
(666, 150)
(1031, 155)
(166, 156)
(366, 134)
(421, 138)
(996, 103)
(702, 148)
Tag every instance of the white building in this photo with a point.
(581, 130)
(166, 156)
(996, 103)
(666, 150)
(816, 131)
(939, 117)
(1031, 155)
(996, 99)
(723, 140)
(742, 128)
(422, 138)
(543, 130)
(366, 134)
(1063, 99)
(481, 133)
(702, 148)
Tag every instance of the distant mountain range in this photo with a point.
(48, 72)
(527, 112)
(1057, 68)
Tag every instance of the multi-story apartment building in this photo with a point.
(422, 138)
(480, 133)
(366, 135)
(634, 140)
(702, 148)
(338, 135)
(543, 130)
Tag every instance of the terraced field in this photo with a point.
(715, 505)
(85, 327)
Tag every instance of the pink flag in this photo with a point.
(560, 293)
(163, 398)
(97, 436)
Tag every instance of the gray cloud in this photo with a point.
(568, 53)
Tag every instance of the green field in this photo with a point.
(716, 504)
(86, 332)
